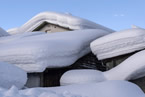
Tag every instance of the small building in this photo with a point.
(50, 22)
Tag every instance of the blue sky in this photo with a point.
(115, 14)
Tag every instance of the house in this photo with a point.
(49, 22)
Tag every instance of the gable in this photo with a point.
(48, 28)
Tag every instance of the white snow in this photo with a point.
(18, 37)
(132, 68)
(11, 75)
(3, 33)
(35, 53)
(81, 76)
(103, 89)
(119, 43)
(61, 19)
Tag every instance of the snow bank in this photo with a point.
(11, 75)
(35, 53)
(119, 43)
(81, 76)
(102, 89)
(131, 68)
(61, 19)
(14, 92)
(3, 32)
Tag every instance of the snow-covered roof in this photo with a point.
(3, 32)
(61, 19)
(36, 52)
(119, 43)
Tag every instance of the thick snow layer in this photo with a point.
(119, 43)
(3, 33)
(35, 53)
(61, 19)
(131, 68)
(102, 89)
(17, 37)
(81, 76)
(11, 75)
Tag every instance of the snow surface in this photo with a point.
(11, 75)
(103, 89)
(35, 53)
(119, 43)
(18, 36)
(132, 68)
(3, 33)
(61, 19)
(81, 76)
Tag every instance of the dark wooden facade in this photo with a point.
(51, 76)
(89, 61)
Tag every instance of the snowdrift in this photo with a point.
(11, 75)
(102, 89)
(81, 76)
(132, 68)
(61, 19)
(35, 53)
(119, 43)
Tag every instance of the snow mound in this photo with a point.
(3, 32)
(61, 19)
(102, 89)
(133, 68)
(11, 75)
(119, 43)
(35, 53)
(81, 76)
(14, 92)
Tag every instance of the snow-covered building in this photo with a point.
(48, 22)
(56, 22)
